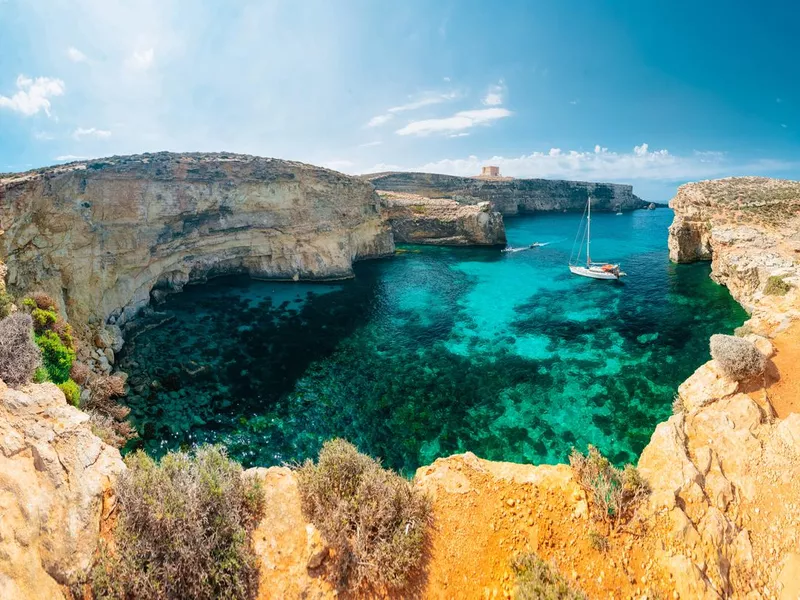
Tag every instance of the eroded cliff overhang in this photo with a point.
(100, 235)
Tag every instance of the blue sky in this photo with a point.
(652, 93)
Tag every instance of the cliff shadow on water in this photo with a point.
(435, 351)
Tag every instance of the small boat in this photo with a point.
(619, 213)
(595, 270)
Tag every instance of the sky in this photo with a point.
(652, 93)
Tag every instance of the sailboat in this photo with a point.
(595, 270)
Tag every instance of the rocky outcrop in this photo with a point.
(749, 227)
(55, 492)
(100, 236)
(442, 222)
(511, 196)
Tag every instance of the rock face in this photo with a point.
(420, 220)
(55, 492)
(100, 236)
(511, 196)
(749, 227)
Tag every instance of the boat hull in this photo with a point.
(593, 273)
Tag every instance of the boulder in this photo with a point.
(55, 492)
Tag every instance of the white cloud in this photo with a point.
(464, 119)
(494, 97)
(75, 55)
(462, 134)
(426, 99)
(33, 95)
(601, 165)
(368, 144)
(69, 158)
(42, 135)
(379, 120)
(574, 102)
(141, 59)
(92, 132)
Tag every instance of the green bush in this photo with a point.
(538, 580)
(374, 520)
(71, 391)
(6, 302)
(43, 319)
(184, 530)
(776, 286)
(57, 358)
(614, 493)
(40, 375)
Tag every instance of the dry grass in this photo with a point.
(79, 373)
(776, 286)
(538, 580)
(19, 354)
(374, 520)
(738, 358)
(183, 531)
(614, 493)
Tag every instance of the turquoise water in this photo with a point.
(436, 351)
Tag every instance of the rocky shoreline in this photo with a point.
(417, 219)
(723, 519)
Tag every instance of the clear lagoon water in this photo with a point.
(435, 351)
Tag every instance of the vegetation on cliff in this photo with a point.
(374, 520)
(738, 358)
(538, 580)
(614, 493)
(183, 531)
(19, 355)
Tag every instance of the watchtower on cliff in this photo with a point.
(490, 171)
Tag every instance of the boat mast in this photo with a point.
(589, 232)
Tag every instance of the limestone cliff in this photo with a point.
(55, 492)
(748, 227)
(100, 235)
(420, 220)
(510, 196)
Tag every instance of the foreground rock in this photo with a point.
(100, 236)
(55, 492)
(511, 196)
(420, 220)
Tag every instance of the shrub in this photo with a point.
(43, 301)
(374, 520)
(183, 531)
(677, 405)
(71, 392)
(6, 302)
(57, 358)
(614, 493)
(40, 374)
(598, 541)
(64, 331)
(105, 387)
(111, 431)
(776, 286)
(738, 358)
(19, 355)
(43, 319)
(79, 373)
(538, 580)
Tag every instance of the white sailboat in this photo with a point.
(595, 270)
